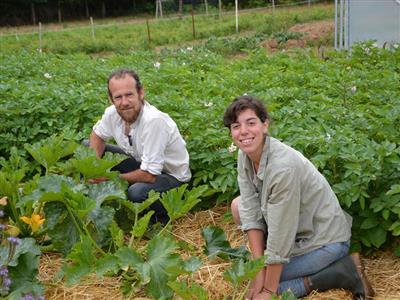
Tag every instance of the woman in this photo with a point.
(289, 213)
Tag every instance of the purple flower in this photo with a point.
(5, 281)
(28, 297)
(3, 271)
(31, 297)
(3, 227)
(14, 240)
(1, 213)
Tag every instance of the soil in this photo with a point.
(311, 34)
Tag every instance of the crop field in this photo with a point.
(340, 109)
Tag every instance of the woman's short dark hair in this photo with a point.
(242, 103)
(121, 73)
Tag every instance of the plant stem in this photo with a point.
(166, 225)
(241, 296)
(132, 237)
(85, 229)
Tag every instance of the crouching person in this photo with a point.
(157, 156)
(289, 213)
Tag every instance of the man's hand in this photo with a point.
(97, 180)
(256, 285)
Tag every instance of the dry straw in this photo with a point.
(383, 270)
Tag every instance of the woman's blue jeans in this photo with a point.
(308, 264)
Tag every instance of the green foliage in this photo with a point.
(22, 261)
(188, 292)
(241, 271)
(49, 151)
(180, 201)
(89, 166)
(133, 36)
(217, 245)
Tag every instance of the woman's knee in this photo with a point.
(235, 210)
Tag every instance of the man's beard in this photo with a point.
(130, 114)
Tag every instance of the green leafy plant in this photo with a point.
(217, 245)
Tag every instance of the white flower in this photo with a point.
(348, 68)
(367, 50)
(157, 65)
(245, 94)
(232, 148)
(47, 75)
(189, 48)
(353, 89)
(209, 104)
(375, 45)
(328, 136)
(395, 46)
(183, 64)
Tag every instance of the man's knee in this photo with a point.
(235, 210)
(138, 192)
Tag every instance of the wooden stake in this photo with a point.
(92, 26)
(193, 26)
(148, 30)
(40, 37)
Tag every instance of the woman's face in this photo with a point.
(248, 133)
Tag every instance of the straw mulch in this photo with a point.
(382, 270)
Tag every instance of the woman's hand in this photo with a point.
(263, 296)
(256, 285)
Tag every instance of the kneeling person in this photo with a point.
(157, 156)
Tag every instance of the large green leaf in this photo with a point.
(90, 166)
(217, 245)
(48, 152)
(139, 228)
(180, 201)
(241, 270)
(104, 191)
(23, 267)
(129, 258)
(188, 292)
(26, 245)
(137, 207)
(23, 276)
(49, 188)
(82, 261)
(100, 221)
(117, 235)
(161, 266)
(377, 236)
(61, 227)
(192, 264)
(9, 182)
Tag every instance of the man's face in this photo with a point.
(126, 99)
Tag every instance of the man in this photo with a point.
(158, 159)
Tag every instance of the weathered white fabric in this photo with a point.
(155, 141)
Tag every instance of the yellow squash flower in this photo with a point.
(35, 221)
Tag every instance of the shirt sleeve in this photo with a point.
(103, 127)
(250, 212)
(154, 141)
(283, 211)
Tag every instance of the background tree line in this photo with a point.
(28, 12)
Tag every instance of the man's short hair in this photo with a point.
(242, 103)
(121, 73)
